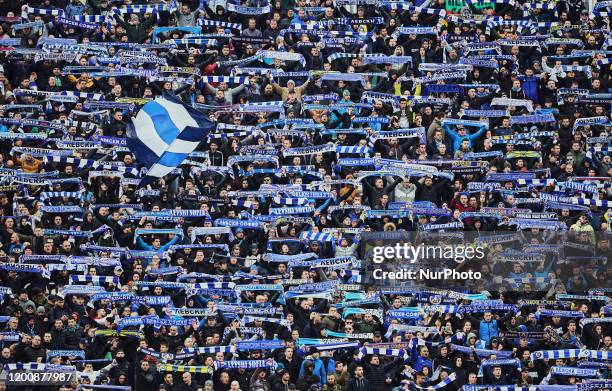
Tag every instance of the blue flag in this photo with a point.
(164, 133)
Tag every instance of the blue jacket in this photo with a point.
(422, 362)
(544, 272)
(148, 247)
(74, 9)
(456, 139)
(488, 330)
(319, 369)
(529, 86)
(419, 362)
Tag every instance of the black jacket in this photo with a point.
(358, 385)
(147, 381)
(71, 338)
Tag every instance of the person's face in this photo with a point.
(472, 378)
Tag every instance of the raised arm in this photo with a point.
(237, 90)
(277, 88)
(476, 135)
(143, 245)
(210, 88)
(450, 132)
(121, 22)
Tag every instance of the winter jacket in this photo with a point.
(319, 369)
(376, 373)
(405, 194)
(488, 330)
(147, 381)
(456, 139)
(136, 34)
(530, 86)
(359, 385)
(71, 338)
(346, 251)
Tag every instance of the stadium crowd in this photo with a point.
(333, 125)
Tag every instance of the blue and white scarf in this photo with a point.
(574, 372)
(248, 10)
(481, 352)
(78, 24)
(555, 354)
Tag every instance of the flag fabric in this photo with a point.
(163, 133)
